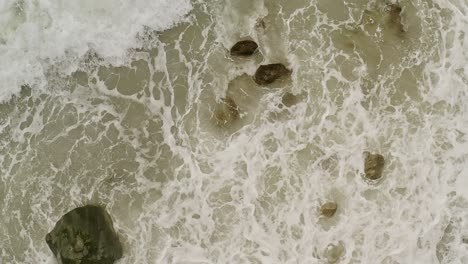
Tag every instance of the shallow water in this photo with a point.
(130, 123)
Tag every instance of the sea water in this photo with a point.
(111, 103)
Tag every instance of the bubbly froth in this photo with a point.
(196, 163)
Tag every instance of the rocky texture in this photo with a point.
(269, 73)
(85, 235)
(328, 209)
(244, 48)
(373, 166)
(226, 112)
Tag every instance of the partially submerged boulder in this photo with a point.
(373, 166)
(244, 48)
(85, 235)
(328, 209)
(269, 73)
(226, 112)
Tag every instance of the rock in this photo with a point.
(329, 209)
(395, 17)
(288, 99)
(334, 252)
(373, 166)
(269, 73)
(226, 112)
(85, 235)
(260, 24)
(244, 48)
(395, 11)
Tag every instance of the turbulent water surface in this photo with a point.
(115, 104)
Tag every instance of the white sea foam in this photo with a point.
(36, 34)
(181, 191)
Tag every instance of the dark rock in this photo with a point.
(25, 90)
(288, 99)
(329, 209)
(226, 112)
(196, 216)
(85, 235)
(394, 11)
(244, 48)
(373, 166)
(269, 73)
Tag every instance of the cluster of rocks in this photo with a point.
(86, 234)
(265, 74)
(373, 170)
(269, 73)
(227, 110)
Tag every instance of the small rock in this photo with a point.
(196, 216)
(85, 235)
(260, 23)
(465, 240)
(333, 252)
(395, 11)
(226, 112)
(244, 48)
(395, 16)
(269, 73)
(329, 209)
(25, 90)
(288, 99)
(373, 166)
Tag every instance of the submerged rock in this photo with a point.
(260, 24)
(394, 11)
(329, 209)
(334, 252)
(226, 112)
(85, 235)
(373, 166)
(288, 99)
(269, 73)
(445, 247)
(244, 48)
